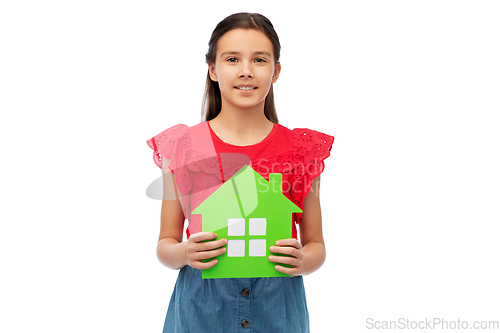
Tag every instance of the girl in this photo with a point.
(240, 127)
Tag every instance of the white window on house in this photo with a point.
(257, 227)
(236, 248)
(236, 227)
(256, 247)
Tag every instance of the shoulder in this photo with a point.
(175, 133)
(302, 134)
(167, 135)
(176, 142)
(305, 141)
(306, 135)
(170, 143)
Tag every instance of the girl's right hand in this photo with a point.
(197, 249)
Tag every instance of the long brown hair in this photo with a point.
(212, 102)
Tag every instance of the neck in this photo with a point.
(243, 122)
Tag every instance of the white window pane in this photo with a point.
(257, 227)
(257, 248)
(236, 227)
(236, 248)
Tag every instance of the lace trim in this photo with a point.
(312, 148)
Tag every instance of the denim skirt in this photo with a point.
(276, 304)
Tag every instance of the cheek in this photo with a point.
(226, 77)
(266, 74)
(225, 85)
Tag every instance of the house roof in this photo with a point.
(246, 190)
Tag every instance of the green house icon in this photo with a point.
(252, 214)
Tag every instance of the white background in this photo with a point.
(410, 194)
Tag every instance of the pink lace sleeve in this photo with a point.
(312, 148)
(173, 144)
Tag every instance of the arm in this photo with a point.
(311, 231)
(308, 255)
(171, 250)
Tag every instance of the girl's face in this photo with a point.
(244, 68)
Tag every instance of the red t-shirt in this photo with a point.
(201, 162)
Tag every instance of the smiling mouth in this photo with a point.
(246, 88)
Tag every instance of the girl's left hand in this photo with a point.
(293, 248)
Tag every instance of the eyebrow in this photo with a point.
(238, 53)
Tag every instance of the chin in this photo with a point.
(243, 104)
(247, 106)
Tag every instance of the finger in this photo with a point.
(289, 242)
(209, 245)
(209, 254)
(201, 236)
(286, 250)
(204, 265)
(286, 270)
(285, 260)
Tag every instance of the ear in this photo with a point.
(212, 73)
(276, 73)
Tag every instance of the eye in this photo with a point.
(231, 59)
(260, 60)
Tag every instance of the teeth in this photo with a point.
(245, 88)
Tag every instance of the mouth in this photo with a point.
(245, 87)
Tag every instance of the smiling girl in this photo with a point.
(239, 120)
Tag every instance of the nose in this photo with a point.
(246, 71)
